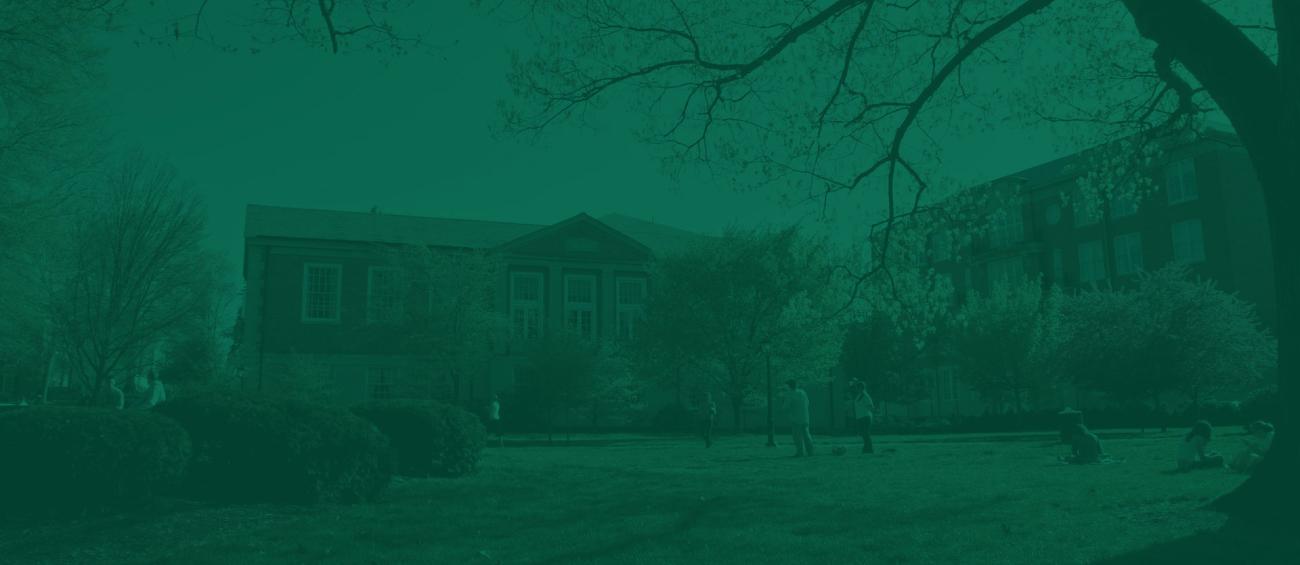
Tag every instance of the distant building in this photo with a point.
(315, 279)
(1207, 211)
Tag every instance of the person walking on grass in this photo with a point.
(863, 414)
(1192, 454)
(710, 414)
(494, 419)
(797, 407)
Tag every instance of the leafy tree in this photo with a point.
(1008, 340)
(878, 353)
(461, 326)
(730, 305)
(1172, 333)
(556, 378)
(828, 98)
(616, 390)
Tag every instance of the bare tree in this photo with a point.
(133, 269)
(839, 95)
(334, 25)
(48, 67)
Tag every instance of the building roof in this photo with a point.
(335, 225)
(1073, 165)
(661, 239)
(372, 227)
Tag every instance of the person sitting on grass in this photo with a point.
(1257, 444)
(1085, 446)
(1192, 454)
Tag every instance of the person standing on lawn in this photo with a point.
(863, 414)
(154, 394)
(113, 397)
(710, 409)
(797, 408)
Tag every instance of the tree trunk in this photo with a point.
(1262, 100)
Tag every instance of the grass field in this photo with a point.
(615, 499)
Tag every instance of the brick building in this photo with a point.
(317, 282)
(1207, 211)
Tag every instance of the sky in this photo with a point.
(295, 126)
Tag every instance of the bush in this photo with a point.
(263, 449)
(430, 438)
(64, 459)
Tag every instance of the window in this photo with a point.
(1180, 181)
(321, 290)
(1007, 227)
(1058, 265)
(1052, 213)
(940, 246)
(1128, 253)
(630, 306)
(1006, 271)
(380, 382)
(384, 295)
(1123, 206)
(1189, 243)
(1083, 214)
(526, 305)
(1092, 262)
(580, 304)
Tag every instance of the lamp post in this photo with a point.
(771, 424)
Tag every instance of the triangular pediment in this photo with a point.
(579, 238)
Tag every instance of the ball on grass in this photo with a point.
(838, 450)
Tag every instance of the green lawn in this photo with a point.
(946, 499)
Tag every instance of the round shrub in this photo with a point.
(66, 459)
(430, 438)
(262, 449)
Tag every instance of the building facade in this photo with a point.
(319, 287)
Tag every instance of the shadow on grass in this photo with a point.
(684, 523)
(1234, 543)
(587, 442)
(42, 538)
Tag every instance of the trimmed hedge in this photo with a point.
(431, 438)
(263, 449)
(61, 459)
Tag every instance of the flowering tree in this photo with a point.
(1172, 333)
